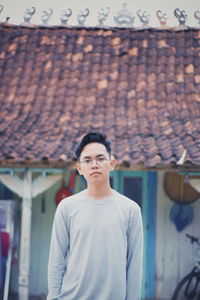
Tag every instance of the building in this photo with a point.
(141, 87)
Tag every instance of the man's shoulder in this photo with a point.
(71, 199)
(126, 202)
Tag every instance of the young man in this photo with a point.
(97, 237)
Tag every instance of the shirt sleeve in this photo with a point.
(134, 264)
(58, 253)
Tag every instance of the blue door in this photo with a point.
(140, 186)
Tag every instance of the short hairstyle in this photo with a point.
(93, 137)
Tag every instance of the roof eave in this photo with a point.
(60, 164)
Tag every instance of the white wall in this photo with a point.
(174, 253)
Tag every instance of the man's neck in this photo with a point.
(99, 192)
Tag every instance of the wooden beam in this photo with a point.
(13, 183)
(42, 184)
(39, 185)
(36, 164)
(60, 164)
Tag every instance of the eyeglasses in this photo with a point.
(99, 161)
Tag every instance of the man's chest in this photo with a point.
(96, 222)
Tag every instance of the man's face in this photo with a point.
(95, 163)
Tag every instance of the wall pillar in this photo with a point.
(24, 261)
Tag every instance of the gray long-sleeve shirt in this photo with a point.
(96, 249)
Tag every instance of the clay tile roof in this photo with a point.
(140, 87)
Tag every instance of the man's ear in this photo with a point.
(112, 163)
(78, 167)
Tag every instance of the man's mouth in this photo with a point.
(95, 173)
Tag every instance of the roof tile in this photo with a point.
(141, 87)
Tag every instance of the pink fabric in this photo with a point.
(5, 243)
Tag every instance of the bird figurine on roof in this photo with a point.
(46, 15)
(29, 12)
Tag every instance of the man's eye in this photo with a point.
(87, 161)
(101, 159)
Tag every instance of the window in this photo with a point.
(133, 189)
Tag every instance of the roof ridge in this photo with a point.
(88, 28)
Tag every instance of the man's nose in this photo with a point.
(94, 163)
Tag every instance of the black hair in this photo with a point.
(93, 137)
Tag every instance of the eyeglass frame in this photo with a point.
(99, 161)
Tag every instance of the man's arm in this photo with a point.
(134, 264)
(58, 253)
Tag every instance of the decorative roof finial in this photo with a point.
(65, 15)
(144, 17)
(82, 16)
(181, 16)
(197, 16)
(102, 15)
(124, 18)
(28, 14)
(46, 16)
(162, 17)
